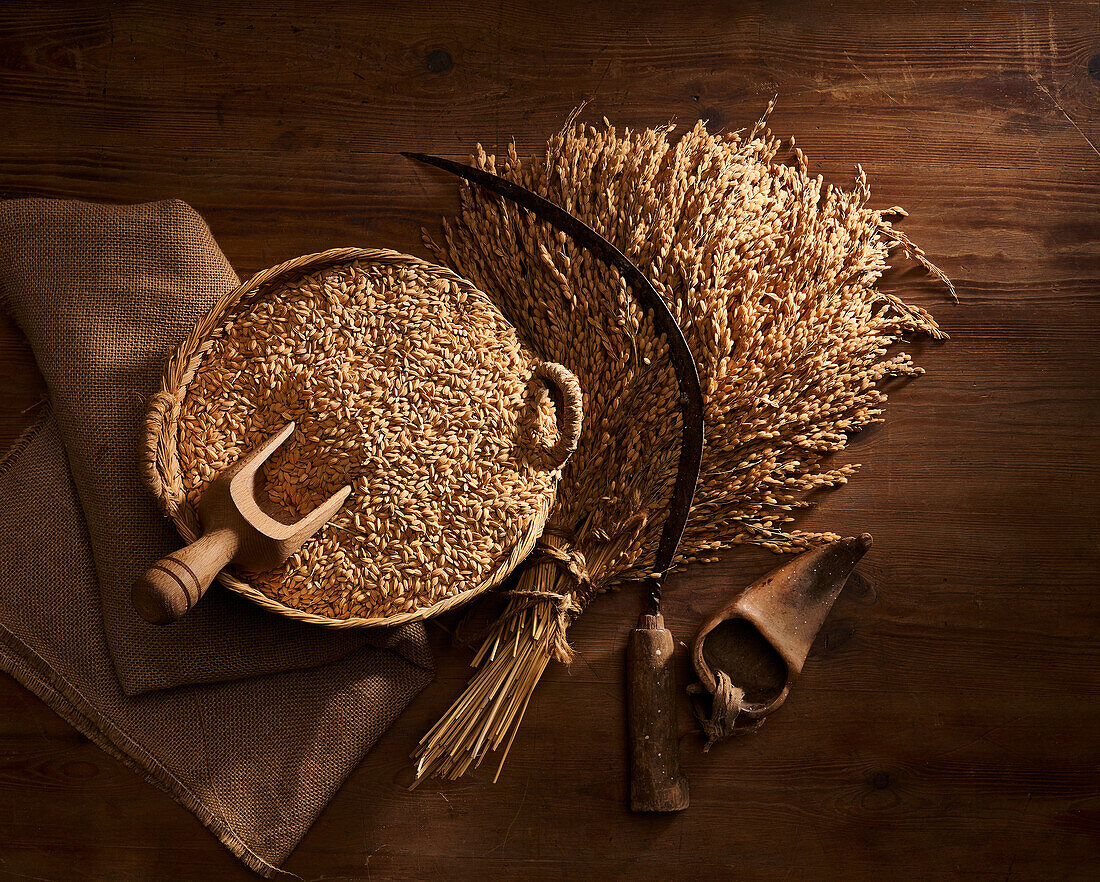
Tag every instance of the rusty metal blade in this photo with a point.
(683, 362)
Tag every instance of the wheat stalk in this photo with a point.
(772, 275)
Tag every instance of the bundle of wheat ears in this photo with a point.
(772, 275)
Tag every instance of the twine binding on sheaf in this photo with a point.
(161, 466)
(571, 563)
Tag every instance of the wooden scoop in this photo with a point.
(749, 654)
(235, 530)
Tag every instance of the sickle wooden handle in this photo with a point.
(656, 784)
(174, 584)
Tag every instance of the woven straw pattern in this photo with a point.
(311, 577)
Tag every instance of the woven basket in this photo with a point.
(534, 466)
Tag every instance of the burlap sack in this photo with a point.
(102, 293)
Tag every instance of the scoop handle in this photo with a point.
(656, 784)
(176, 582)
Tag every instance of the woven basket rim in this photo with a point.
(160, 456)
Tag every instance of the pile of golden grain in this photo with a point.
(412, 389)
(771, 274)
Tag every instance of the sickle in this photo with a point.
(656, 783)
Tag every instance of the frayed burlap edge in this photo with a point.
(67, 702)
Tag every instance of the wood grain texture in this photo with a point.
(945, 723)
(656, 784)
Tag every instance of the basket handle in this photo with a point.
(570, 416)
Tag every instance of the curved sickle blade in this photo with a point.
(687, 376)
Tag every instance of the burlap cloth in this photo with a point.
(248, 719)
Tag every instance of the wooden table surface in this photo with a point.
(946, 724)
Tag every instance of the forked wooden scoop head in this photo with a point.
(235, 530)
